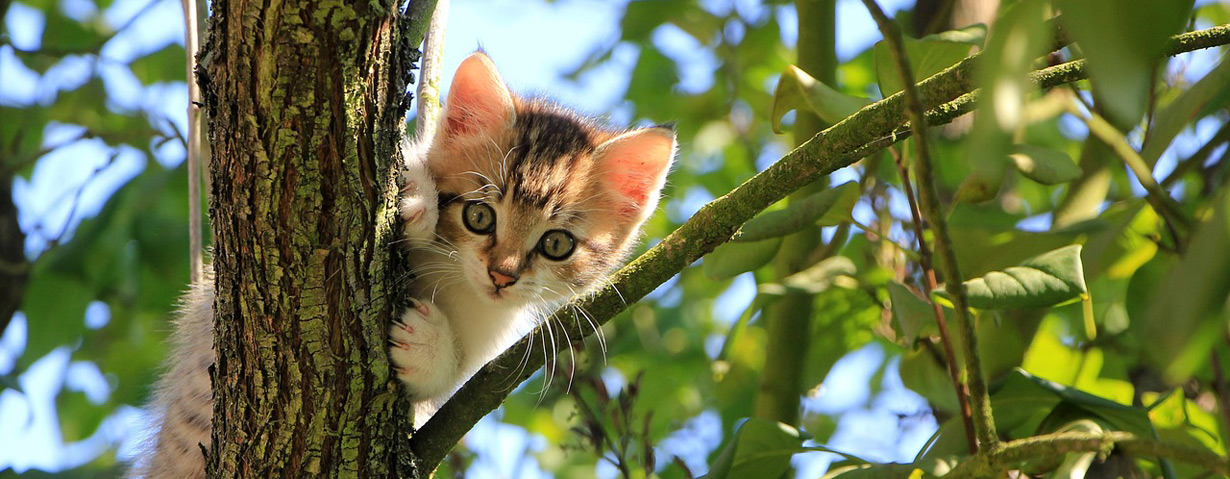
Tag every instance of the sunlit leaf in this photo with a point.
(1189, 307)
(1041, 281)
(877, 471)
(796, 89)
(1044, 165)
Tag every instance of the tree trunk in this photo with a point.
(306, 102)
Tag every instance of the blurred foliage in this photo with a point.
(1113, 320)
(126, 262)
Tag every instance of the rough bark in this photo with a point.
(305, 101)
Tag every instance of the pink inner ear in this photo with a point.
(478, 100)
(636, 164)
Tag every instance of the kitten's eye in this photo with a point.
(478, 217)
(557, 244)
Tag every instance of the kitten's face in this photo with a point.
(538, 204)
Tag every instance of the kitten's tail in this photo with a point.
(182, 407)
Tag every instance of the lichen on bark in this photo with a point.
(306, 102)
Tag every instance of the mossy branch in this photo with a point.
(945, 95)
(1008, 455)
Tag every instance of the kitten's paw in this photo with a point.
(423, 351)
(418, 207)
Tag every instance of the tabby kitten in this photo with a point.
(514, 206)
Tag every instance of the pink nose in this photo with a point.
(501, 280)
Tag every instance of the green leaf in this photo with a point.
(927, 56)
(1124, 41)
(80, 418)
(762, 449)
(877, 471)
(1076, 465)
(912, 314)
(734, 258)
(814, 279)
(1189, 309)
(988, 247)
(54, 305)
(63, 34)
(86, 106)
(1022, 402)
(1019, 36)
(1041, 281)
(1209, 94)
(1020, 387)
(923, 374)
(825, 208)
(1044, 165)
(796, 89)
(165, 65)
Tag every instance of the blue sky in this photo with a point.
(532, 62)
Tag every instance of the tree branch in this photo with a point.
(991, 463)
(864, 132)
(429, 73)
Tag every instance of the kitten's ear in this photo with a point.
(632, 168)
(478, 101)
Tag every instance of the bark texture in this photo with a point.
(305, 101)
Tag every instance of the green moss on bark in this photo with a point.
(306, 108)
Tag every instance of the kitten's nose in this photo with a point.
(501, 280)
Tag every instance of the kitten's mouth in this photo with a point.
(497, 294)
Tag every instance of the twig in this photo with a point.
(1219, 388)
(192, 45)
(859, 135)
(1199, 157)
(429, 74)
(925, 262)
(909, 253)
(1157, 197)
(977, 402)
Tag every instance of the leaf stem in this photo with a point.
(1157, 197)
(925, 262)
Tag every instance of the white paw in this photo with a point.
(423, 351)
(418, 207)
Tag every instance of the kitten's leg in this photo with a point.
(418, 207)
(424, 351)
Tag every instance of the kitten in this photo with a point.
(514, 206)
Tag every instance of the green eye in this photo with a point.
(479, 217)
(557, 244)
